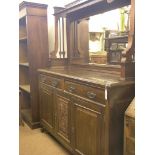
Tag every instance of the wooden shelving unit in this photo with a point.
(33, 54)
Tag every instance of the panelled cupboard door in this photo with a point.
(47, 105)
(87, 130)
(63, 108)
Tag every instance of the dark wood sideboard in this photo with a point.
(83, 109)
(82, 105)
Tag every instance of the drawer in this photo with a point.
(52, 81)
(88, 92)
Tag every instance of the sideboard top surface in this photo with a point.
(85, 75)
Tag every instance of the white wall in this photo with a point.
(110, 20)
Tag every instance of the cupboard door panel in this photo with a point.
(87, 130)
(47, 106)
(63, 117)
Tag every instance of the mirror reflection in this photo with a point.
(108, 35)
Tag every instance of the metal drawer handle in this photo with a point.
(71, 89)
(54, 83)
(91, 95)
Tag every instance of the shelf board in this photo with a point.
(25, 64)
(25, 88)
(23, 38)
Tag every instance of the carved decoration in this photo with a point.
(63, 116)
(60, 37)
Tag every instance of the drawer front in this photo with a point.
(52, 81)
(88, 92)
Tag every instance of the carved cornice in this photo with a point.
(86, 8)
(74, 3)
(31, 4)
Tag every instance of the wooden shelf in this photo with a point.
(25, 88)
(23, 38)
(25, 64)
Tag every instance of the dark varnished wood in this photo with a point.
(82, 10)
(89, 8)
(89, 100)
(47, 105)
(93, 121)
(89, 74)
(118, 99)
(33, 54)
(89, 92)
(24, 99)
(24, 78)
(79, 45)
(53, 82)
(31, 8)
(55, 110)
(63, 117)
(86, 128)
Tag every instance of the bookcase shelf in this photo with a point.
(24, 38)
(33, 54)
(26, 64)
(25, 88)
